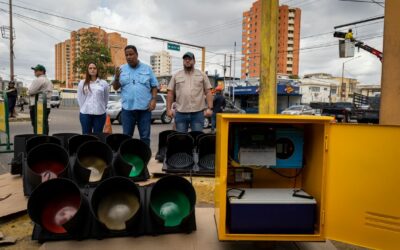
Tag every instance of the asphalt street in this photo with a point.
(66, 120)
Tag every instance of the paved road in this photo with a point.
(66, 121)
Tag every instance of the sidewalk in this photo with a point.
(21, 117)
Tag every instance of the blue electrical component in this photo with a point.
(289, 148)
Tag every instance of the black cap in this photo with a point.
(188, 54)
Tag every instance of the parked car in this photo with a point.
(229, 108)
(114, 98)
(114, 108)
(299, 110)
(55, 101)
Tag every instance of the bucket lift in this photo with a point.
(346, 46)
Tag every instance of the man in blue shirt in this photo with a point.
(138, 94)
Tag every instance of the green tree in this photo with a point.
(93, 51)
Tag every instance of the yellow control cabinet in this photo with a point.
(352, 171)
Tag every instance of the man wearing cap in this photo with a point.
(40, 85)
(188, 87)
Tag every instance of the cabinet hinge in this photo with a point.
(326, 143)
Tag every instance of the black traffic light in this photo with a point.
(116, 207)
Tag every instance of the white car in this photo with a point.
(299, 110)
(55, 101)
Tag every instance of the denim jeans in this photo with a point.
(92, 123)
(194, 119)
(213, 121)
(140, 117)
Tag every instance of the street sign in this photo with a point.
(173, 46)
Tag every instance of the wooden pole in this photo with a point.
(390, 84)
(11, 44)
(203, 58)
(269, 48)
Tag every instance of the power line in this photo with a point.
(47, 34)
(76, 20)
(39, 21)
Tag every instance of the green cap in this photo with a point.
(39, 67)
(188, 54)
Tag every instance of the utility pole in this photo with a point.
(269, 44)
(342, 84)
(230, 66)
(11, 45)
(224, 66)
(390, 98)
(234, 60)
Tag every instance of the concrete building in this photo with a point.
(67, 51)
(369, 89)
(319, 88)
(161, 63)
(63, 61)
(288, 41)
(347, 88)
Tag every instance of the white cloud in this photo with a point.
(193, 22)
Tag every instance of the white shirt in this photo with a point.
(93, 101)
(40, 85)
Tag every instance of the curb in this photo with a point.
(19, 119)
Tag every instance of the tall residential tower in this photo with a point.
(288, 41)
(67, 51)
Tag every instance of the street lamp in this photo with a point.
(342, 86)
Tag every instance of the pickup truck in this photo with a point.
(342, 111)
(366, 108)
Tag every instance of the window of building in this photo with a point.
(314, 89)
(333, 91)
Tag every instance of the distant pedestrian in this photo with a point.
(21, 103)
(219, 106)
(92, 100)
(12, 98)
(40, 85)
(189, 86)
(139, 88)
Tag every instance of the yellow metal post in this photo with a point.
(269, 38)
(390, 92)
(203, 59)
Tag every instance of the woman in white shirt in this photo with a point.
(92, 100)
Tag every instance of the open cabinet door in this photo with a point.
(363, 185)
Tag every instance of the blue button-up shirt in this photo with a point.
(136, 85)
